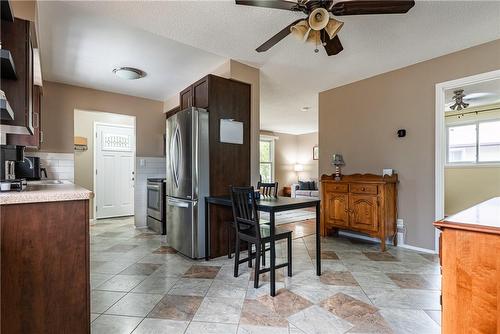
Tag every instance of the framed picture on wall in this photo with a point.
(316, 152)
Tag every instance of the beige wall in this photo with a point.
(467, 186)
(360, 121)
(292, 149)
(60, 100)
(232, 69)
(84, 160)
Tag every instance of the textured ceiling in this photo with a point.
(291, 73)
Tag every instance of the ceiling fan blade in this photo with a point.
(276, 38)
(332, 46)
(363, 7)
(277, 4)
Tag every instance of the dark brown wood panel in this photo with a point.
(200, 93)
(34, 140)
(15, 37)
(229, 163)
(186, 98)
(172, 111)
(45, 284)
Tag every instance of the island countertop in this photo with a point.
(39, 193)
(483, 217)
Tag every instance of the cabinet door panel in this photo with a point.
(364, 212)
(200, 94)
(186, 98)
(336, 209)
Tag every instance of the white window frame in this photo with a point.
(476, 163)
(270, 139)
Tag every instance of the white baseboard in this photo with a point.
(364, 237)
(418, 249)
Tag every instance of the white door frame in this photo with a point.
(440, 140)
(94, 165)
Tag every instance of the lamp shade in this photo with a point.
(337, 160)
(298, 168)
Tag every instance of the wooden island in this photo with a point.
(469, 252)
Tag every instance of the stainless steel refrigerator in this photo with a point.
(188, 182)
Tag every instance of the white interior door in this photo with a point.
(115, 170)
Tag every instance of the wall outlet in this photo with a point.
(142, 162)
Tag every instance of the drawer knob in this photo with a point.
(363, 189)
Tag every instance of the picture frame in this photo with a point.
(316, 152)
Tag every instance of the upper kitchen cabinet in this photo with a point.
(195, 95)
(18, 40)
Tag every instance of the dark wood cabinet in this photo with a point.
(45, 284)
(363, 203)
(195, 95)
(32, 141)
(186, 98)
(229, 163)
(18, 37)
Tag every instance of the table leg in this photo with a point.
(318, 241)
(207, 231)
(273, 254)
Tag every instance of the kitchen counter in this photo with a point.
(38, 192)
(483, 217)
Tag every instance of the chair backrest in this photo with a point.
(268, 189)
(245, 208)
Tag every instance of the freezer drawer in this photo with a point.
(185, 226)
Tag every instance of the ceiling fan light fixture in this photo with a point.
(300, 30)
(314, 37)
(129, 73)
(318, 19)
(333, 27)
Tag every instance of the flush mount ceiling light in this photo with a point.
(129, 73)
(305, 109)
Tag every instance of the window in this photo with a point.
(474, 143)
(266, 159)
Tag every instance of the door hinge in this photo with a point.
(96, 172)
(96, 208)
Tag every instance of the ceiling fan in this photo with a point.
(319, 27)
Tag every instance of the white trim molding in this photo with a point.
(364, 237)
(440, 136)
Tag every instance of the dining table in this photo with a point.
(271, 205)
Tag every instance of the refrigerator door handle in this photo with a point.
(175, 149)
(178, 204)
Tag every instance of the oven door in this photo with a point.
(155, 201)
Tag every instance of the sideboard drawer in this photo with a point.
(363, 188)
(337, 188)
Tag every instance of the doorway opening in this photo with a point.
(467, 161)
(105, 161)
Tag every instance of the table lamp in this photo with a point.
(337, 161)
(298, 168)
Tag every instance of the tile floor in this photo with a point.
(140, 285)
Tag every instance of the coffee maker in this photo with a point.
(9, 155)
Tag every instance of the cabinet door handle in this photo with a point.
(363, 189)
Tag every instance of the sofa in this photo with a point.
(305, 189)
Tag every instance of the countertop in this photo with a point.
(39, 192)
(483, 217)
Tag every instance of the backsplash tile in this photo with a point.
(60, 166)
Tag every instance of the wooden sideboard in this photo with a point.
(363, 203)
(469, 248)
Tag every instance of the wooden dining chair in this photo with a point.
(268, 189)
(249, 229)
